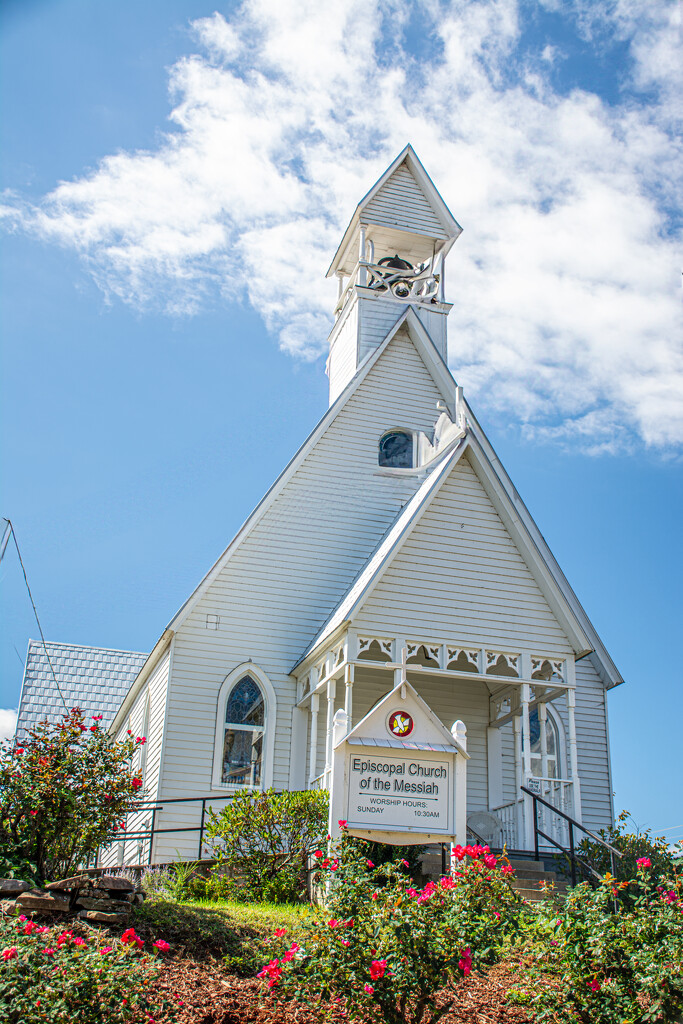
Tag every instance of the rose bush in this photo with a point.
(51, 975)
(615, 968)
(384, 947)
(63, 792)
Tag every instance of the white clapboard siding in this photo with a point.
(376, 318)
(343, 361)
(400, 203)
(280, 586)
(155, 692)
(460, 577)
(592, 743)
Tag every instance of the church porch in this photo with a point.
(518, 709)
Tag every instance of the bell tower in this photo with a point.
(391, 256)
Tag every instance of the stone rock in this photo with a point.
(11, 887)
(106, 906)
(75, 882)
(139, 897)
(45, 902)
(105, 918)
(115, 883)
(8, 907)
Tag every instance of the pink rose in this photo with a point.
(368, 989)
(279, 932)
(377, 969)
(644, 862)
(10, 953)
(161, 944)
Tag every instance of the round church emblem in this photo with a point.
(400, 723)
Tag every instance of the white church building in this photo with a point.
(393, 535)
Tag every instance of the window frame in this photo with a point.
(247, 668)
(414, 442)
(553, 716)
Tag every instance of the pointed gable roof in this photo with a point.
(404, 199)
(358, 594)
(429, 733)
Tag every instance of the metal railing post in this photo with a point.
(151, 836)
(571, 852)
(535, 829)
(201, 830)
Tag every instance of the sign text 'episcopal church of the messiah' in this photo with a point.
(389, 623)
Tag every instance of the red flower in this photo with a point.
(594, 985)
(333, 922)
(29, 927)
(279, 932)
(33, 813)
(368, 989)
(507, 869)
(78, 941)
(342, 823)
(49, 952)
(141, 739)
(129, 936)
(318, 854)
(369, 864)
(162, 945)
(105, 950)
(10, 953)
(345, 942)
(377, 969)
(93, 728)
(490, 860)
(465, 961)
(644, 862)
(136, 783)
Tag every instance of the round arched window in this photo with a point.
(245, 714)
(396, 449)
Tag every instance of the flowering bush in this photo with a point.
(385, 948)
(634, 846)
(53, 975)
(63, 792)
(614, 967)
(266, 839)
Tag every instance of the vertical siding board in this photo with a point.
(401, 203)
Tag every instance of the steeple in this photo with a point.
(391, 255)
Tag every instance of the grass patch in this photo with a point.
(236, 933)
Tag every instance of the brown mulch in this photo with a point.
(210, 996)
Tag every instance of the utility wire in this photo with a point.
(35, 612)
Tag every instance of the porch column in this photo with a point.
(525, 697)
(348, 693)
(363, 275)
(542, 719)
(518, 805)
(331, 693)
(573, 754)
(313, 756)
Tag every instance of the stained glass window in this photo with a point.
(396, 450)
(552, 746)
(243, 740)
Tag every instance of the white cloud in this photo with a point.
(566, 280)
(8, 723)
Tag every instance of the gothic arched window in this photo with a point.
(396, 449)
(552, 739)
(243, 734)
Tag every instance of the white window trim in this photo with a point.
(230, 681)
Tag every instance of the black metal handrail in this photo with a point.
(158, 805)
(571, 852)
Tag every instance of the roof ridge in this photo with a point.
(86, 647)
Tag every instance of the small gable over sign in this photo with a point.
(403, 721)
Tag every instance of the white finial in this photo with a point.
(459, 734)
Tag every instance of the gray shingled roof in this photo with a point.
(92, 678)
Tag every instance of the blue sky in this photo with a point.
(164, 310)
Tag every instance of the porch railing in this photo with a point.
(578, 864)
(556, 794)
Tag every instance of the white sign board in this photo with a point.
(390, 792)
(399, 776)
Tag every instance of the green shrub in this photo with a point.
(51, 975)
(385, 948)
(613, 968)
(265, 839)
(633, 846)
(63, 792)
(178, 881)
